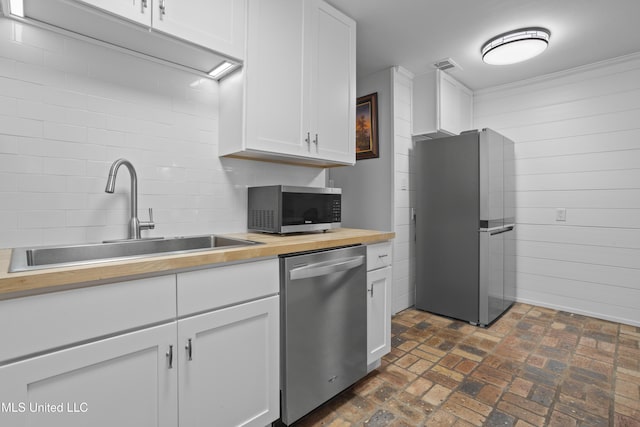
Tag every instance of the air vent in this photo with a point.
(447, 64)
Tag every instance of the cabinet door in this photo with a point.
(134, 10)
(466, 109)
(378, 313)
(448, 114)
(332, 95)
(121, 381)
(215, 24)
(455, 101)
(274, 111)
(229, 366)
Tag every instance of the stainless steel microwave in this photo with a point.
(289, 209)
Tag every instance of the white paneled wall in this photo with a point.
(404, 243)
(577, 138)
(68, 109)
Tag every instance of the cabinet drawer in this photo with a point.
(205, 290)
(379, 255)
(42, 322)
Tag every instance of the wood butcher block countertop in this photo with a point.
(53, 279)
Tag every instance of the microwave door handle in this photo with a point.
(325, 268)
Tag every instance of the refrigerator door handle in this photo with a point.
(491, 229)
(502, 230)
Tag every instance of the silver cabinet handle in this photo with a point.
(315, 141)
(383, 255)
(371, 291)
(189, 348)
(308, 140)
(325, 268)
(143, 6)
(170, 356)
(163, 8)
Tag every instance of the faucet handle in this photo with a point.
(148, 225)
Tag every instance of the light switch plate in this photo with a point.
(561, 214)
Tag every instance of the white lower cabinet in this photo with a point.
(211, 357)
(120, 381)
(378, 313)
(229, 345)
(379, 279)
(229, 366)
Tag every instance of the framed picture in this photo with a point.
(367, 127)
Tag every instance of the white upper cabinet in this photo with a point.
(331, 102)
(216, 24)
(441, 106)
(294, 101)
(198, 34)
(133, 10)
(274, 80)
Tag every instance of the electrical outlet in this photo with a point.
(561, 214)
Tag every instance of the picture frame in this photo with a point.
(367, 146)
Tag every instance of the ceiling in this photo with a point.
(417, 33)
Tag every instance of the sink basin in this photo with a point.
(24, 259)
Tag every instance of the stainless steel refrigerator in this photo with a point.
(465, 221)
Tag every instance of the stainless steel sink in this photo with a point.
(24, 259)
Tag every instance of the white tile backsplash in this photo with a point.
(8, 183)
(42, 183)
(13, 85)
(18, 164)
(69, 108)
(41, 219)
(21, 127)
(7, 105)
(8, 220)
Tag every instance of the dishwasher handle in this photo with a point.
(325, 268)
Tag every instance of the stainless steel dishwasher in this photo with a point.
(324, 327)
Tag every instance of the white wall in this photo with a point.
(68, 109)
(367, 186)
(577, 138)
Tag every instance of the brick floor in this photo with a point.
(532, 367)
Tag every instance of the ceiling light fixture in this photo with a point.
(515, 46)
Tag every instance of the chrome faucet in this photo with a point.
(135, 225)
